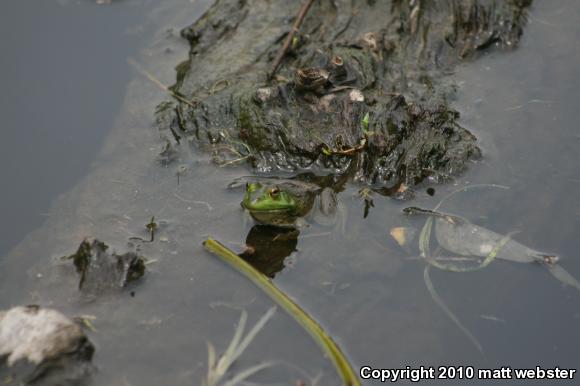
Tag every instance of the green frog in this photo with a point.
(286, 203)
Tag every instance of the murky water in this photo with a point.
(366, 290)
(64, 74)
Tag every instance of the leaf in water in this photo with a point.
(561, 274)
(459, 236)
(365, 123)
(402, 235)
(480, 264)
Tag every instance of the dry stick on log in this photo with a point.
(158, 83)
(288, 41)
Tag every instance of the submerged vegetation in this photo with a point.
(218, 368)
(473, 248)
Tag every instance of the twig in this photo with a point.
(295, 28)
(234, 161)
(350, 150)
(158, 83)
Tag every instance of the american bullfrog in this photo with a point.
(285, 202)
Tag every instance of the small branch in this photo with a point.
(158, 83)
(295, 28)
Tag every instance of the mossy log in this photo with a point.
(364, 89)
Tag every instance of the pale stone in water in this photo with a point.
(37, 334)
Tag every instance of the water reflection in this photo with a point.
(268, 246)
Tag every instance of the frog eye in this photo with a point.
(274, 191)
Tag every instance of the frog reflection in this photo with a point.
(282, 208)
(267, 247)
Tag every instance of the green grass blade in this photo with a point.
(330, 348)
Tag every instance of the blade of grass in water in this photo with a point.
(424, 247)
(242, 376)
(466, 188)
(437, 299)
(330, 348)
(425, 238)
(218, 368)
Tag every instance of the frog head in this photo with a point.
(260, 197)
(270, 204)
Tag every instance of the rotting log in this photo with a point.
(365, 88)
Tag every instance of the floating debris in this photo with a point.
(459, 236)
(476, 246)
(492, 318)
(100, 270)
(403, 235)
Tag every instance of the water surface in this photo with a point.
(367, 291)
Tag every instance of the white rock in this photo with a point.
(37, 334)
(356, 96)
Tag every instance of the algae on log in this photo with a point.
(364, 88)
